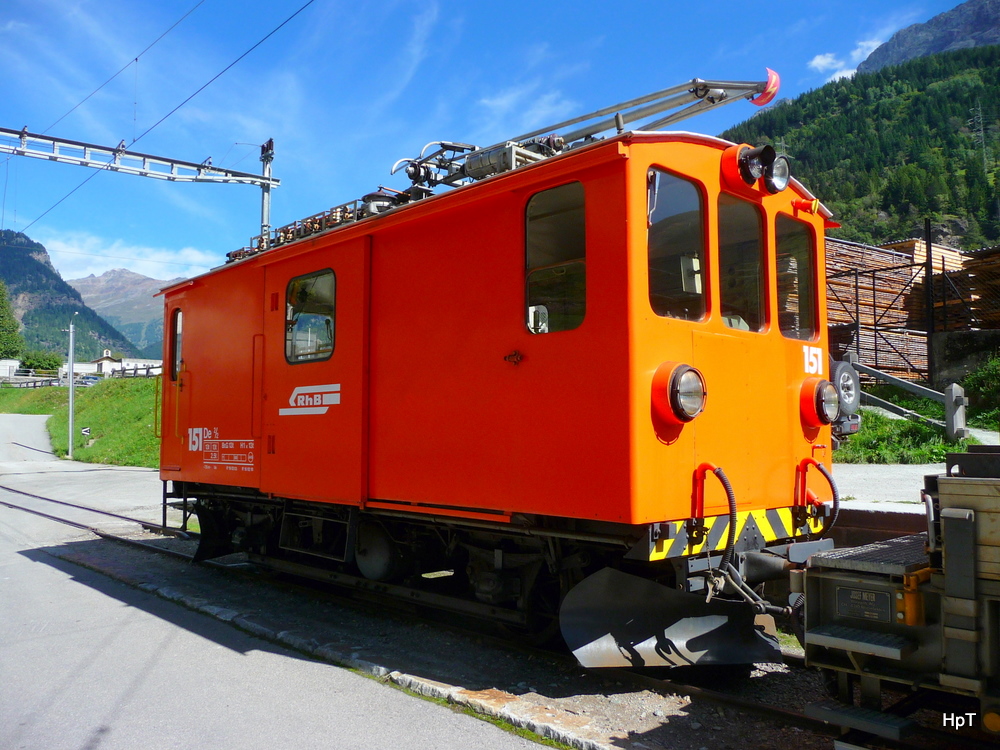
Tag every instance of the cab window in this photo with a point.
(676, 246)
(741, 264)
(796, 254)
(556, 273)
(309, 317)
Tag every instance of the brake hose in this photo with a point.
(836, 497)
(731, 538)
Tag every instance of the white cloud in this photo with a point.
(825, 62)
(525, 107)
(414, 52)
(842, 73)
(837, 68)
(79, 254)
(863, 49)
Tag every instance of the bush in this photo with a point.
(41, 360)
(982, 386)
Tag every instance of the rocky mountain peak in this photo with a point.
(975, 23)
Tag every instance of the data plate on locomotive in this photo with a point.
(874, 606)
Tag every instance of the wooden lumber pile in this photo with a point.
(882, 290)
(982, 269)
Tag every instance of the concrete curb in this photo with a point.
(551, 723)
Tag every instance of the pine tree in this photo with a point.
(11, 343)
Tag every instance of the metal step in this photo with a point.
(863, 719)
(860, 641)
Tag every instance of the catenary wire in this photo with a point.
(134, 60)
(160, 121)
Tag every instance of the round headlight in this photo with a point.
(755, 162)
(827, 401)
(778, 175)
(687, 393)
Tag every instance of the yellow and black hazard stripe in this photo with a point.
(755, 529)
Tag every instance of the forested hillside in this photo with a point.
(44, 304)
(885, 149)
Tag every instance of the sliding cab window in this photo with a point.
(309, 317)
(741, 264)
(676, 246)
(556, 272)
(796, 267)
(176, 325)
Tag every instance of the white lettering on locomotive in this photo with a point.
(312, 399)
(813, 360)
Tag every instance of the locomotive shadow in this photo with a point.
(346, 630)
(109, 583)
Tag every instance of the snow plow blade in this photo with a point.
(614, 619)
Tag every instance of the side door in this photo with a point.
(315, 402)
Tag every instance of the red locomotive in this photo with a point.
(593, 372)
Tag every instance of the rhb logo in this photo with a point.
(312, 399)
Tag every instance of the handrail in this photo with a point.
(953, 398)
(905, 384)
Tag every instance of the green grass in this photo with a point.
(118, 411)
(981, 412)
(883, 440)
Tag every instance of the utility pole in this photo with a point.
(72, 386)
(266, 157)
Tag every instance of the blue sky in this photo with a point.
(346, 89)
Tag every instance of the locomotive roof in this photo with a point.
(437, 199)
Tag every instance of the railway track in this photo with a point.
(146, 525)
(348, 591)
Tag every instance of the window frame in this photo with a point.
(332, 317)
(814, 275)
(566, 264)
(764, 279)
(176, 341)
(705, 258)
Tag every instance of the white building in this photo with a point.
(109, 366)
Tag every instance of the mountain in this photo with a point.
(126, 300)
(884, 150)
(972, 24)
(44, 304)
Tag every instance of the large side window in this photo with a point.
(176, 325)
(555, 236)
(676, 246)
(741, 264)
(309, 317)
(796, 255)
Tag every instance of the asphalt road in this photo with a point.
(89, 663)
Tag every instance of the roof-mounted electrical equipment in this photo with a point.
(453, 164)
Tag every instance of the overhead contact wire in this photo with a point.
(134, 60)
(158, 122)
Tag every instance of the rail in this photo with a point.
(953, 398)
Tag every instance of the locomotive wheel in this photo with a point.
(541, 605)
(377, 555)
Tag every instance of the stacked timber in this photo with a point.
(982, 278)
(945, 258)
(876, 307)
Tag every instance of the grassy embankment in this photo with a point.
(119, 413)
(883, 440)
